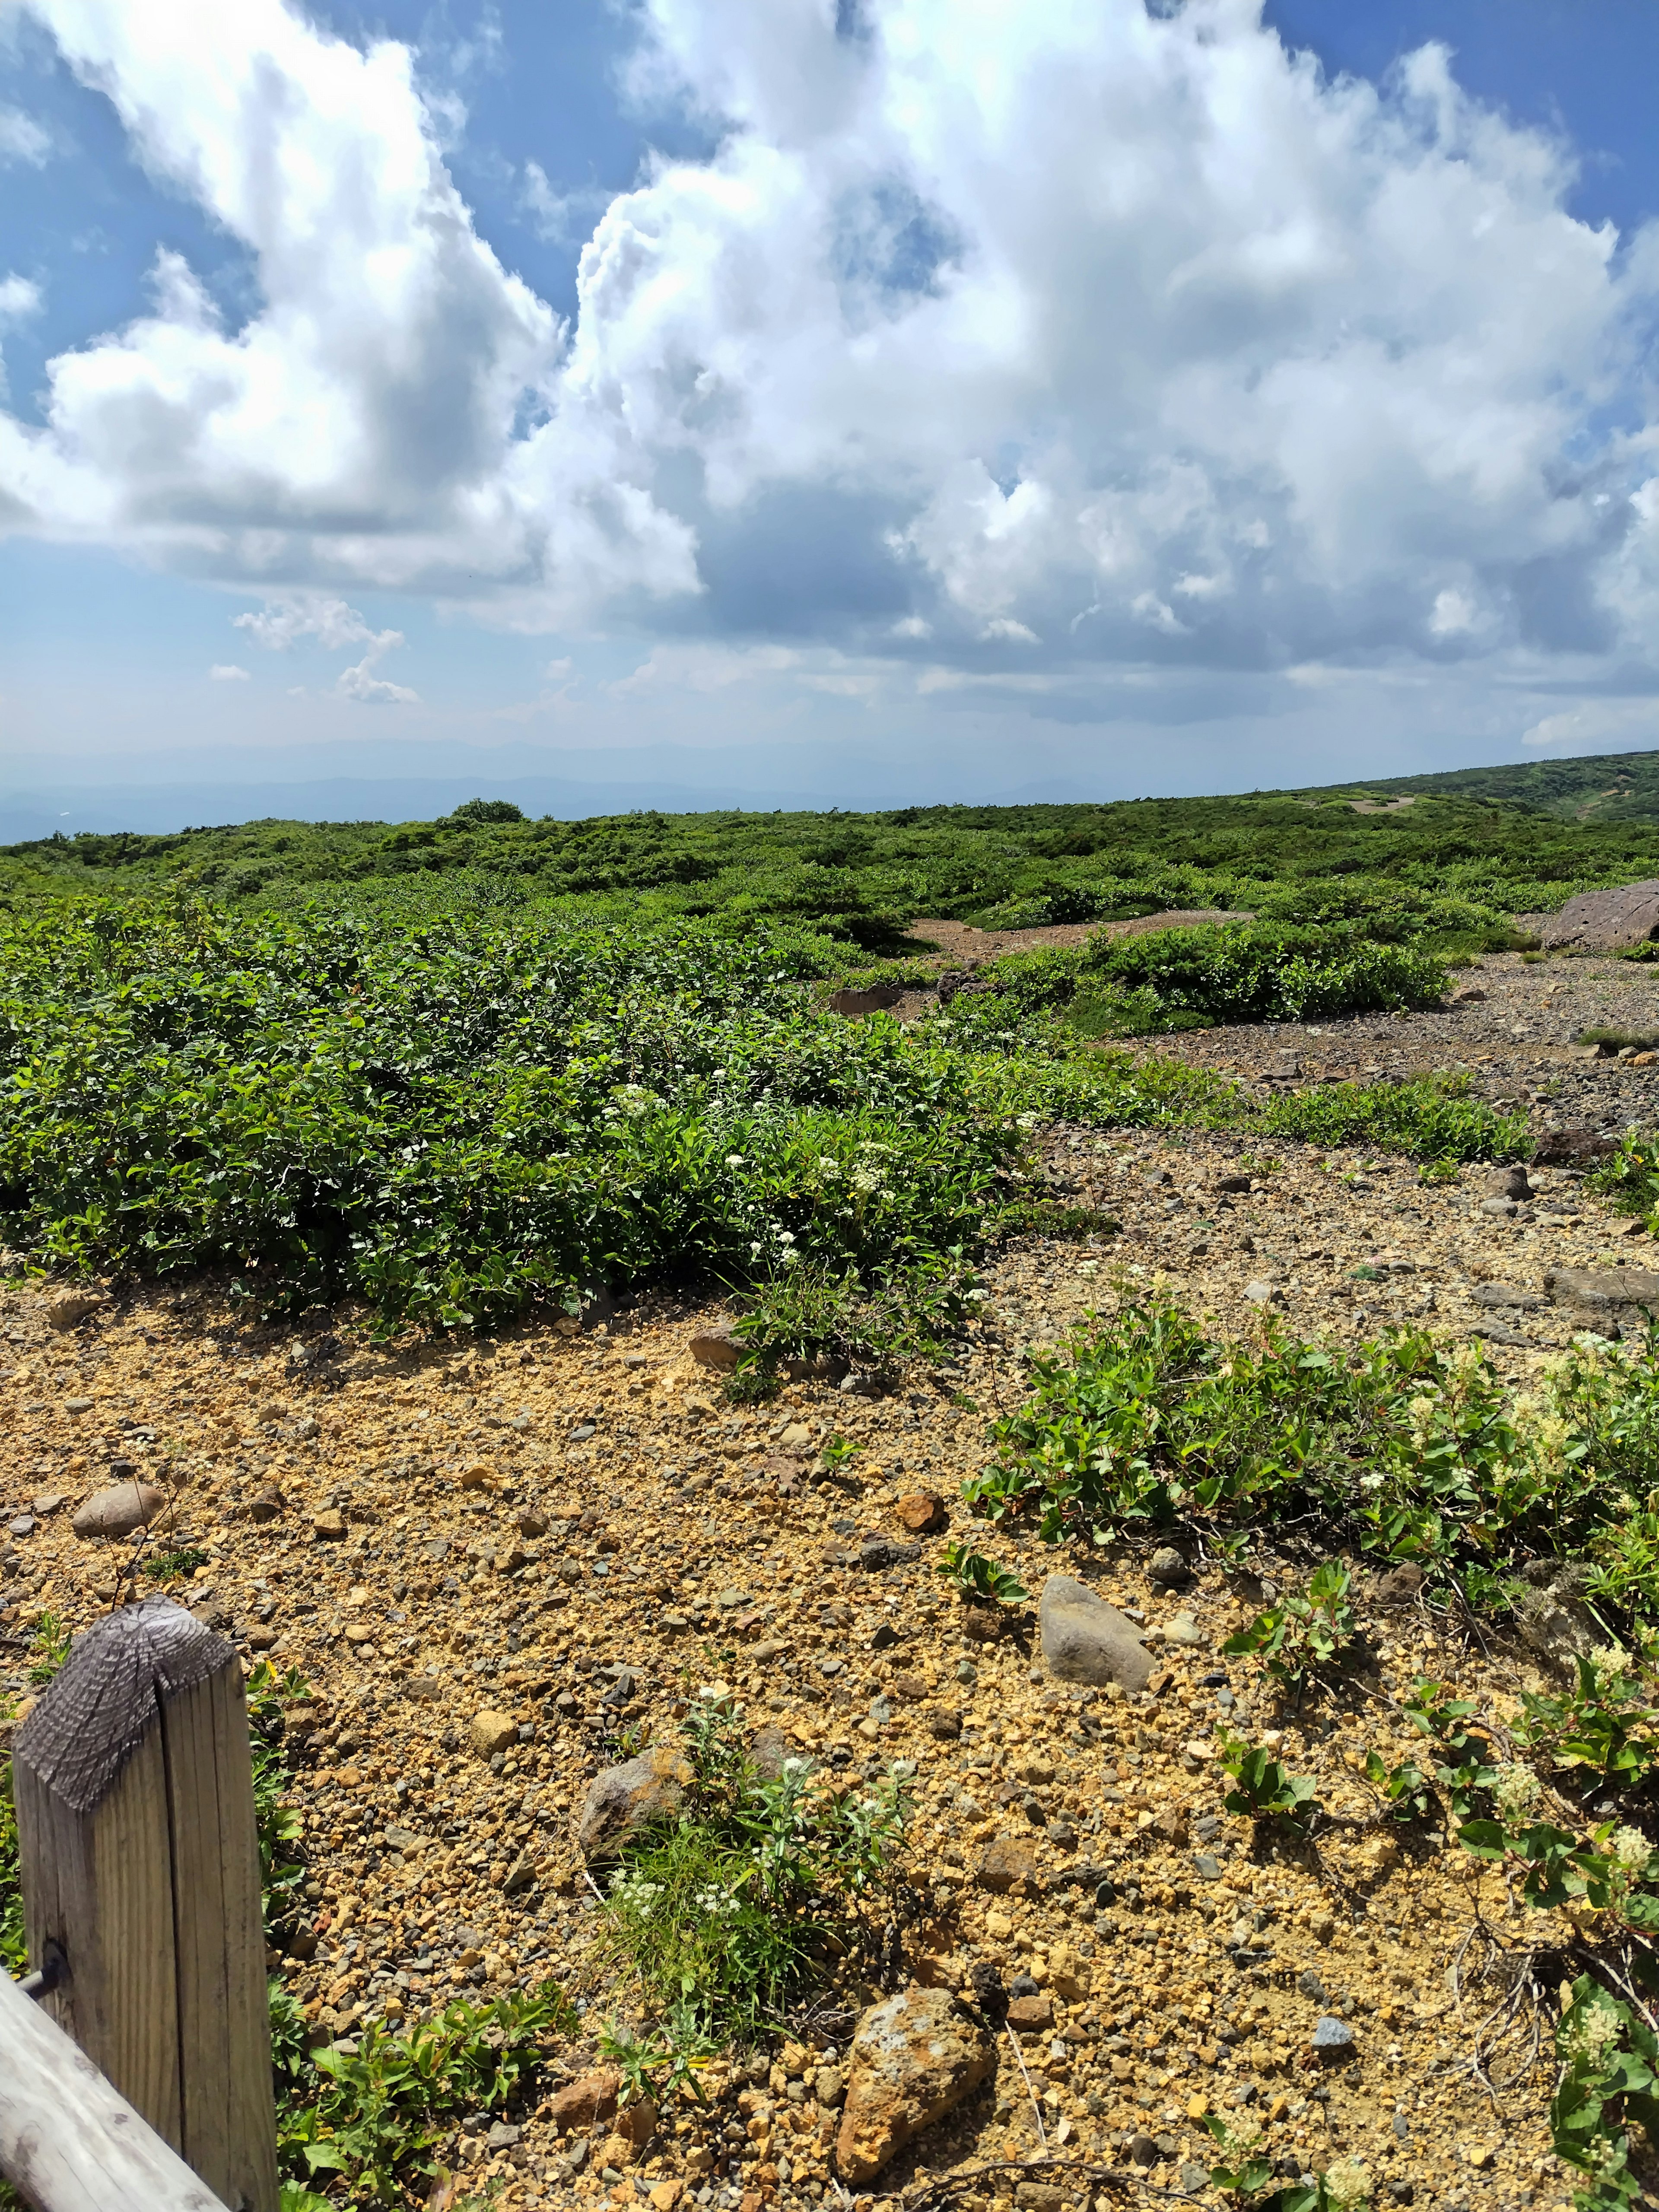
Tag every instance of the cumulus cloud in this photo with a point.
(283, 624)
(23, 139)
(1078, 334)
(226, 672)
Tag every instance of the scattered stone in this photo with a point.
(1086, 1640)
(720, 1350)
(582, 2103)
(914, 2058)
(265, 1504)
(490, 1732)
(118, 1511)
(623, 1799)
(45, 1507)
(1169, 1570)
(478, 1476)
(1185, 1630)
(1007, 1865)
(1331, 2039)
(1029, 2015)
(1506, 1294)
(68, 1312)
(923, 1513)
(329, 1527)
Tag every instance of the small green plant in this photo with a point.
(1608, 1726)
(1609, 2079)
(1403, 1790)
(730, 1915)
(1298, 1638)
(278, 1826)
(1263, 1789)
(1613, 1869)
(13, 1952)
(1247, 2177)
(1465, 1766)
(372, 2117)
(834, 1454)
(650, 2068)
(169, 1566)
(49, 1646)
(977, 1578)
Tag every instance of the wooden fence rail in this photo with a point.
(140, 1866)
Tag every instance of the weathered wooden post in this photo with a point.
(140, 1864)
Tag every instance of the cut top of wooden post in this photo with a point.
(107, 1695)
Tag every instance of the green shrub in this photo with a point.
(728, 1916)
(1262, 971)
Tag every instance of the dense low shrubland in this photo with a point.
(1410, 1449)
(454, 1120)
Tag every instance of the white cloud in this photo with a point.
(281, 624)
(1238, 374)
(226, 672)
(1599, 725)
(20, 296)
(23, 139)
(561, 217)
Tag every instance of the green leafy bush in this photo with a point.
(976, 1578)
(1408, 1448)
(1299, 1638)
(1263, 1789)
(729, 1915)
(1609, 2080)
(1257, 972)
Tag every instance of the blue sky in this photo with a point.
(803, 397)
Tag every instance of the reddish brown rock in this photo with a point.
(1006, 1865)
(1028, 2015)
(592, 2096)
(265, 1504)
(914, 2058)
(923, 1513)
(624, 1799)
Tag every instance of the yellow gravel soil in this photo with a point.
(431, 1533)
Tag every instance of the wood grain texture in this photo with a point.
(67, 2141)
(140, 1861)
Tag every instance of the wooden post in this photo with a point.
(140, 1863)
(67, 2140)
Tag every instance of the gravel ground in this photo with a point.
(496, 1529)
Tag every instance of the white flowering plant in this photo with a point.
(1613, 1870)
(1246, 2176)
(1609, 2080)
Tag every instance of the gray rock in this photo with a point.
(1553, 1620)
(1310, 1985)
(624, 1799)
(1332, 2039)
(1206, 1866)
(876, 1552)
(118, 1511)
(1169, 1570)
(1604, 921)
(1506, 1294)
(502, 2136)
(1086, 1640)
(1603, 1286)
(1185, 1630)
(22, 1526)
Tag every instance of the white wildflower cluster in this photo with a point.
(634, 1100)
(1346, 2182)
(1424, 1411)
(633, 1893)
(1630, 1849)
(1515, 1791)
(1592, 2032)
(713, 1902)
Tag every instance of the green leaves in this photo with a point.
(973, 1576)
(1264, 1790)
(1298, 1638)
(1609, 2079)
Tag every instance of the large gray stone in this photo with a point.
(1604, 921)
(1086, 1640)
(1552, 1618)
(1603, 1286)
(118, 1511)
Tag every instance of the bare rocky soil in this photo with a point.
(577, 1531)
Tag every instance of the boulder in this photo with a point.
(1603, 1286)
(624, 1799)
(914, 2058)
(876, 1001)
(1604, 921)
(1086, 1640)
(118, 1511)
(68, 1312)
